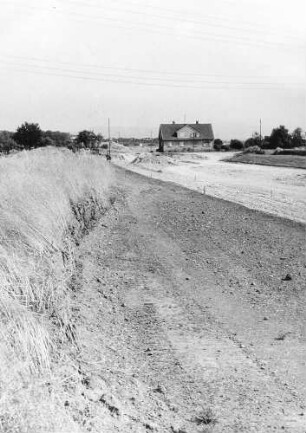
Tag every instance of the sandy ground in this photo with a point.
(277, 190)
(187, 319)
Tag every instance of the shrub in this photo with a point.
(218, 144)
(206, 417)
(277, 151)
(7, 143)
(254, 149)
(88, 139)
(236, 144)
(59, 139)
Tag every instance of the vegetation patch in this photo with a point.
(294, 161)
(49, 200)
(206, 418)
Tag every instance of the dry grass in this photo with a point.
(47, 198)
(294, 161)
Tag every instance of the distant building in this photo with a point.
(194, 135)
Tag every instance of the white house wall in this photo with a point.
(187, 132)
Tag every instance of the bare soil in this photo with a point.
(191, 316)
(277, 190)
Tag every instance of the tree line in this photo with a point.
(280, 138)
(31, 136)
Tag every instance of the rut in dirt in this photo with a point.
(198, 327)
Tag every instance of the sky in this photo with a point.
(70, 65)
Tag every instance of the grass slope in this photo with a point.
(294, 161)
(48, 198)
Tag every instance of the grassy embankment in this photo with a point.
(48, 199)
(294, 161)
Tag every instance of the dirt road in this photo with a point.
(280, 191)
(191, 316)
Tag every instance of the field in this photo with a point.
(271, 160)
(131, 304)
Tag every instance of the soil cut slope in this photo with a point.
(191, 316)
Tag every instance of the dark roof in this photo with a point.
(168, 130)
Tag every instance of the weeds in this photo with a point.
(48, 199)
(205, 418)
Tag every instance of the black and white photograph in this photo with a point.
(153, 216)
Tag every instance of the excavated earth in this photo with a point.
(191, 316)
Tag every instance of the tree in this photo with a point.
(88, 139)
(280, 137)
(28, 135)
(253, 141)
(218, 144)
(265, 144)
(59, 139)
(6, 142)
(297, 138)
(47, 141)
(236, 144)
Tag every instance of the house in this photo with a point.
(193, 135)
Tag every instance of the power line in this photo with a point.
(173, 11)
(175, 15)
(57, 72)
(157, 79)
(158, 29)
(134, 70)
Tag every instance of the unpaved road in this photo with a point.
(186, 320)
(277, 190)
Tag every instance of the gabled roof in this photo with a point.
(168, 130)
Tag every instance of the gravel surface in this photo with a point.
(191, 316)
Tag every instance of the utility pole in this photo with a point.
(260, 132)
(109, 140)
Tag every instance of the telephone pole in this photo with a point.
(109, 139)
(260, 132)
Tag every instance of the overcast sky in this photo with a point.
(71, 64)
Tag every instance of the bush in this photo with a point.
(277, 151)
(253, 141)
(59, 139)
(236, 144)
(254, 149)
(88, 139)
(218, 144)
(7, 143)
(47, 141)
